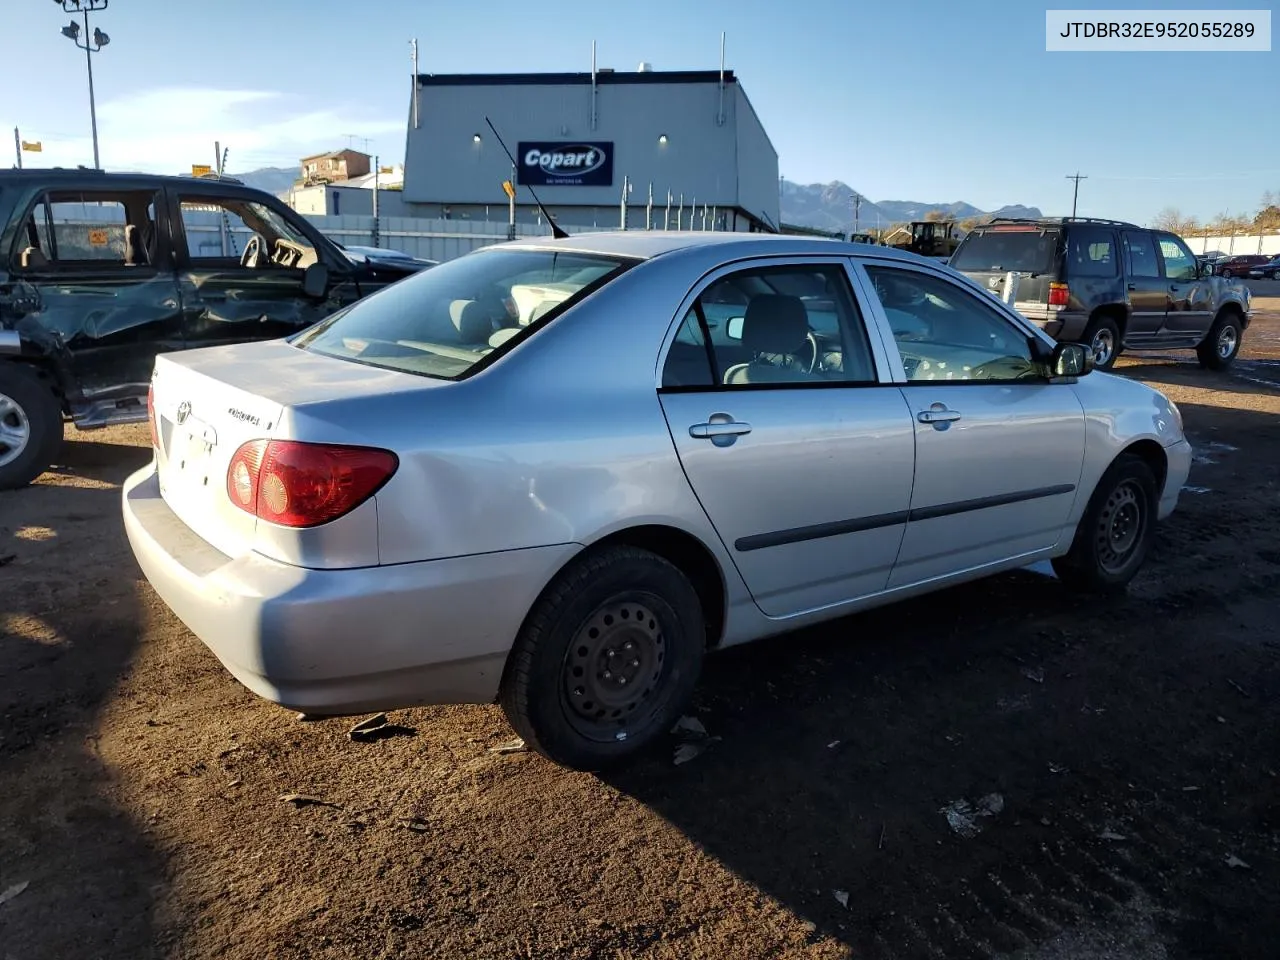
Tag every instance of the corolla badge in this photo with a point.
(184, 411)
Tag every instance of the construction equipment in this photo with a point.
(929, 238)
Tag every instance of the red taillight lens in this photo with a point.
(151, 415)
(299, 484)
(1058, 294)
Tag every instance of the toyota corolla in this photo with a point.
(556, 473)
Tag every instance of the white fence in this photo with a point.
(1265, 243)
(420, 236)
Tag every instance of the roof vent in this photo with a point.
(645, 67)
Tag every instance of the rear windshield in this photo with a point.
(999, 251)
(444, 321)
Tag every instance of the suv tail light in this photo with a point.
(151, 415)
(1058, 294)
(299, 484)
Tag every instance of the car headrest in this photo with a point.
(774, 323)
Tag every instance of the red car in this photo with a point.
(1240, 266)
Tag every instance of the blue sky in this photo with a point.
(907, 100)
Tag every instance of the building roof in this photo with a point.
(553, 79)
(334, 153)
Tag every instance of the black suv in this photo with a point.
(99, 272)
(1112, 285)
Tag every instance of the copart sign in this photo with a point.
(565, 163)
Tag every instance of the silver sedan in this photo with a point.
(556, 473)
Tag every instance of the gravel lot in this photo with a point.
(1000, 771)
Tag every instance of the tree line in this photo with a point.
(1267, 217)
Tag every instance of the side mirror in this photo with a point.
(315, 281)
(733, 329)
(1071, 360)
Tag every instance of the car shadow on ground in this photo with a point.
(1241, 378)
(1006, 762)
(83, 876)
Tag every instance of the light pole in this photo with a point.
(72, 32)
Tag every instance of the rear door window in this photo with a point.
(91, 229)
(1091, 252)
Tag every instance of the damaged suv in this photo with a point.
(100, 272)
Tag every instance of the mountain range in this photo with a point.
(825, 206)
(829, 206)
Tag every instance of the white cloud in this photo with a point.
(168, 129)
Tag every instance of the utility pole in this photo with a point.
(666, 222)
(376, 171)
(414, 46)
(1076, 193)
(626, 189)
(857, 206)
(648, 209)
(17, 146)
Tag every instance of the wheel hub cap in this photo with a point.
(15, 430)
(613, 664)
(1120, 527)
(1102, 346)
(1226, 342)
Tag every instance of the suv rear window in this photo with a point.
(442, 322)
(1020, 249)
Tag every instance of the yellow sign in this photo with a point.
(386, 169)
(201, 169)
(98, 238)
(36, 147)
(508, 189)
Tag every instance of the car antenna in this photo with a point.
(556, 230)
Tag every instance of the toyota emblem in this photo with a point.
(994, 282)
(184, 411)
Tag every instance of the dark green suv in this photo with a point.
(100, 272)
(1112, 285)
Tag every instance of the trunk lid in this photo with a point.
(210, 401)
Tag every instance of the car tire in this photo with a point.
(1115, 534)
(1102, 339)
(620, 604)
(30, 426)
(1220, 347)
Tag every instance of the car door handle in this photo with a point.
(719, 428)
(1133, 286)
(938, 414)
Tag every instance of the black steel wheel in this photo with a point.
(606, 660)
(1114, 536)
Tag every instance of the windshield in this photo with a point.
(1023, 250)
(443, 321)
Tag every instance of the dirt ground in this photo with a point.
(1001, 770)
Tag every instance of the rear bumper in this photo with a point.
(334, 642)
(1179, 468)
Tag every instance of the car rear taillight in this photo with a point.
(151, 415)
(1057, 294)
(299, 484)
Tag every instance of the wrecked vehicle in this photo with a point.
(100, 272)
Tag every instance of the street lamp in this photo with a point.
(72, 32)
